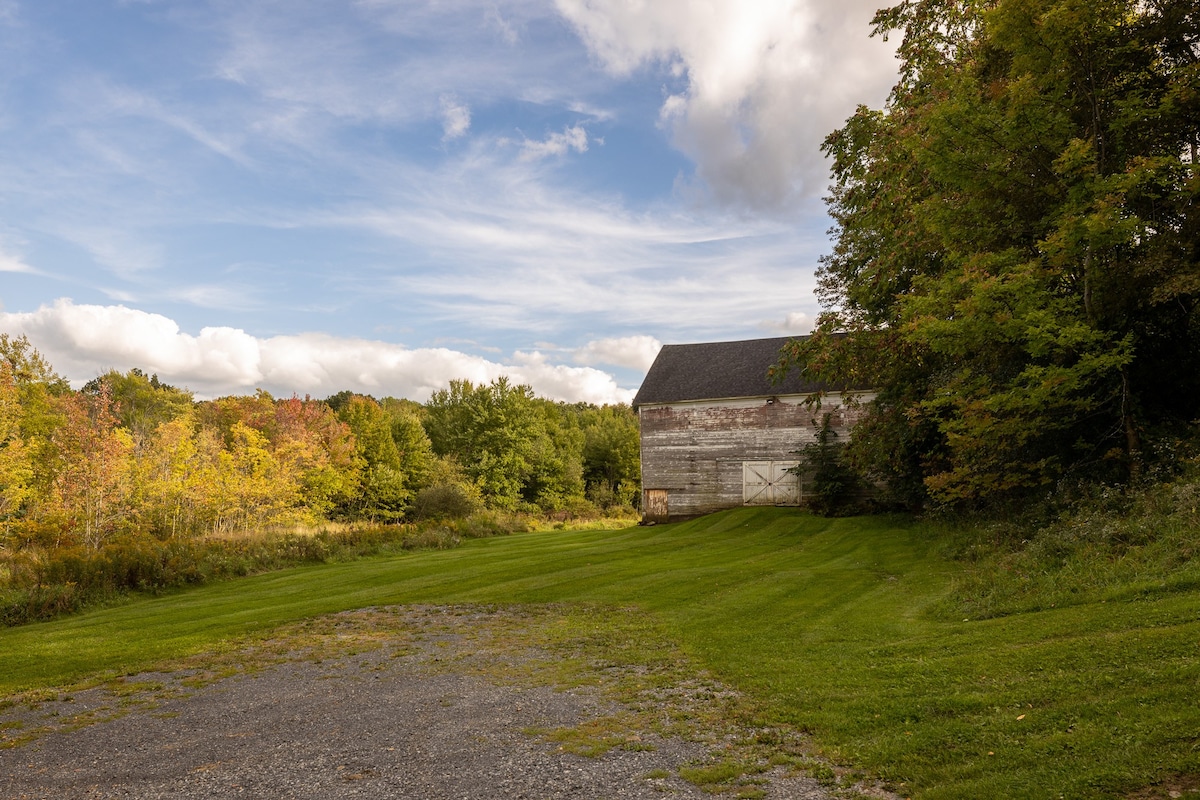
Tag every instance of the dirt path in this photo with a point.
(399, 703)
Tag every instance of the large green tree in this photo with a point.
(385, 491)
(516, 448)
(1018, 250)
(612, 467)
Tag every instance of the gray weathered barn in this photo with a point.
(717, 433)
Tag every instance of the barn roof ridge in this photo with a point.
(721, 370)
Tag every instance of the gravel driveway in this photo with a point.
(397, 703)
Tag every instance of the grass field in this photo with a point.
(839, 627)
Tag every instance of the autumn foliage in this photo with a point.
(130, 483)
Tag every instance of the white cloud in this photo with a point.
(551, 259)
(765, 81)
(632, 352)
(82, 341)
(11, 263)
(797, 323)
(456, 118)
(556, 144)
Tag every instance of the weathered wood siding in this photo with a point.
(695, 452)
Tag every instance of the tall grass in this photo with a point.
(1108, 545)
(39, 582)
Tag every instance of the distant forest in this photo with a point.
(130, 455)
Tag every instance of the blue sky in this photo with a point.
(382, 195)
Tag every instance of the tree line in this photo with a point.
(130, 455)
(1017, 256)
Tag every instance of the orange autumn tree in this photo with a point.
(320, 450)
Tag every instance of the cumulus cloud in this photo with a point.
(456, 118)
(556, 144)
(762, 83)
(82, 341)
(632, 352)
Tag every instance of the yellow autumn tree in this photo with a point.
(16, 470)
(251, 489)
(171, 474)
(93, 459)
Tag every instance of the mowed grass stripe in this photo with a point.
(839, 627)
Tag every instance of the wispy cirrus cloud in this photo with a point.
(551, 258)
(11, 263)
(556, 144)
(456, 118)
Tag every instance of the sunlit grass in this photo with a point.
(836, 627)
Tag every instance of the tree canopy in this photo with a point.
(1017, 254)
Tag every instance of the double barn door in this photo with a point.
(768, 483)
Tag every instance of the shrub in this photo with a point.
(443, 501)
(835, 486)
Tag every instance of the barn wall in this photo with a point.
(695, 451)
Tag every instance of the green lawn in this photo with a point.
(829, 624)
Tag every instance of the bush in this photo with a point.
(443, 501)
(835, 486)
(435, 537)
(483, 524)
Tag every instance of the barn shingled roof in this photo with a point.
(720, 370)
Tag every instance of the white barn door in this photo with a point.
(768, 483)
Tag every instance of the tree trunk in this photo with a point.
(1133, 443)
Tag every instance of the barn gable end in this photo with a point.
(716, 433)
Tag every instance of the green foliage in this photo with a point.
(443, 501)
(389, 473)
(129, 455)
(1016, 244)
(834, 486)
(16, 468)
(518, 450)
(27, 366)
(413, 448)
(612, 464)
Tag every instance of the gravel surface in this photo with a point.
(388, 703)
